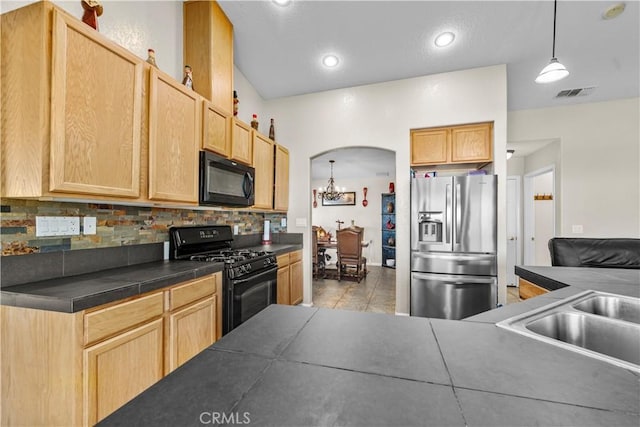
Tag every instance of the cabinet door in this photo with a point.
(283, 285)
(429, 146)
(191, 330)
(120, 368)
(281, 195)
(263, 163)
(208, 48)
(471, 143)
(241, 147)
(96, 98)
(216, 129)
(174, 140)
(295, 277)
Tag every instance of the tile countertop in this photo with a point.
(75, 293)
(299, 366)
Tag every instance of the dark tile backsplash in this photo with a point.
(32, 268)
(116, 225)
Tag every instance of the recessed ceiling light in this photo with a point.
(330, 61)
(282, 2)
(613, 11)
(445, 39)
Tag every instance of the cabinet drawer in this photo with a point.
(191, 291)
(108, 321)
(295, 256)
(283, 260)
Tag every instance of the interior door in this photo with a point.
(513, 228)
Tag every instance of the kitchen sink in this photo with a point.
(597, 324)
(616, 307)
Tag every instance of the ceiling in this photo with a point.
(279, 48)
(279, 51)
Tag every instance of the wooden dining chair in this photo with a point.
(318, 255)
(349, 242)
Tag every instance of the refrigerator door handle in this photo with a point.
(456, 230)
(448, 216)
(455, 278)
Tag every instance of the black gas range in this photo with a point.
(250, 276)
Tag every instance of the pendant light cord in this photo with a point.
(553, 49)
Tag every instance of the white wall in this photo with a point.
(381, 115)
(600, 156)
(137, 26)
(544, 217)
(250, 102)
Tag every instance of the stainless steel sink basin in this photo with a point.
(598, 324)
(616, 307)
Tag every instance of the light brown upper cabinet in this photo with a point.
(281, 188)
(174, 139)
(71, 108)
(263, 162)
(241, 143)
(216, 129)
(208, 49)
(456, 144)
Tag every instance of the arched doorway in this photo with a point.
(354, 169)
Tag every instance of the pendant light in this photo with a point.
(554, 71)
(332, 192)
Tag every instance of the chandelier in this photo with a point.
(332, 192)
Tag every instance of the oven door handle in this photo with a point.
(253, 278)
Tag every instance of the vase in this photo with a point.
(390, 207)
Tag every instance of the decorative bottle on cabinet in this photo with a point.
(388, 225)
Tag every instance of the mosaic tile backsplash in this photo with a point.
(116, 225)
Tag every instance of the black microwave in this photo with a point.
(224, 182)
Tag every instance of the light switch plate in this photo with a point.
(301, 222)
(283, 222)
(57, 226)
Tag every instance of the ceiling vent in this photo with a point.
(570, 93)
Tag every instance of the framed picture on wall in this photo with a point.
(348, 198)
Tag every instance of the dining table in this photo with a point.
(333, 244)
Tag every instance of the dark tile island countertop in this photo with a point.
(88, 278)
(299, 366)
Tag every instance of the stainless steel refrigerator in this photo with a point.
(453, 246)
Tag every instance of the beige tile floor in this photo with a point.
(376, 292)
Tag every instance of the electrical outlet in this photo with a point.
(235, 229)
(577, 229)
(283, 222)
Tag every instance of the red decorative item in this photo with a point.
(92, 9)
(315, 201)
(364, 201)
(392, 188)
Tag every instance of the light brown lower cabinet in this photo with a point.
(528, 290)
(119, 369)
(191, 330)
(77, 368)
(290, 278)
